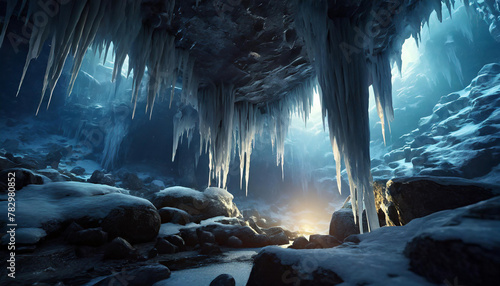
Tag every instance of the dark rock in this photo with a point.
(251, 222)
(325, 241)
(99, 177)
(165, 247)
(313, 245)
(135, 223)
(152, 253)
(277, 236)
(177, 241)
(299, 243)
(21, 177)
(132, 182)
(234, 242)
(174, 215)
(71, 230)
(142, 276)
(406, 199)
(223, 280)
(210, 249)
(246, 234)
(119, 248)
(78, 171)
(53, 158)
(205, 236)
(268, 269)
(466, 249)
(90, 237)
(189, 236)
(247, 214)
(342, 224)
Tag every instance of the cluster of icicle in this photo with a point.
(345, 71)
(72, 27)
(228, 128)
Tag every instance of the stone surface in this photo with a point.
(223, 280)
(200, 205)
(119, 248)
(403, 200)
(466, 249)
(269, 270)
(174, 215)
(299, 243)
(342, 224)
(21, 177)
(135, 223)
(165, 247)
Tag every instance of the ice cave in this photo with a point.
(250, 142)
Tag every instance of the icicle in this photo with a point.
(11, 5)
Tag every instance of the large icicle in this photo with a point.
(344, 80)
(216, 117)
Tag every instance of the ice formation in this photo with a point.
(349, 53)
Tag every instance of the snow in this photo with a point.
(26, 235)
(180, 192)
(380, 252)
(64, 201)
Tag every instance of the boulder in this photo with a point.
(205, 236)
(132, 182)
(405, 199)
(20, 178)
(299, 243)
(99, 177)
(90, 237)
(200, 205)
(78, 171)
(277, 236)
(342, 224)
(174, 215)
(269, 269)
(189, 236)
(119, 248)
(135, 223)
(165, 247)
(234, 242)
(89, 205)
(177, 241)
(247, 235)
(142, 276)
(223, 280)
(466, 249)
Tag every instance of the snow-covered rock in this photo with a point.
(54, 205)
(461, 138)
(379, 257)
(212, 202)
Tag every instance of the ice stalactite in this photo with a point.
(74, 26)
(115, 132)
(216, 117)
(185, 122)
(344, 80)
(345, 69)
